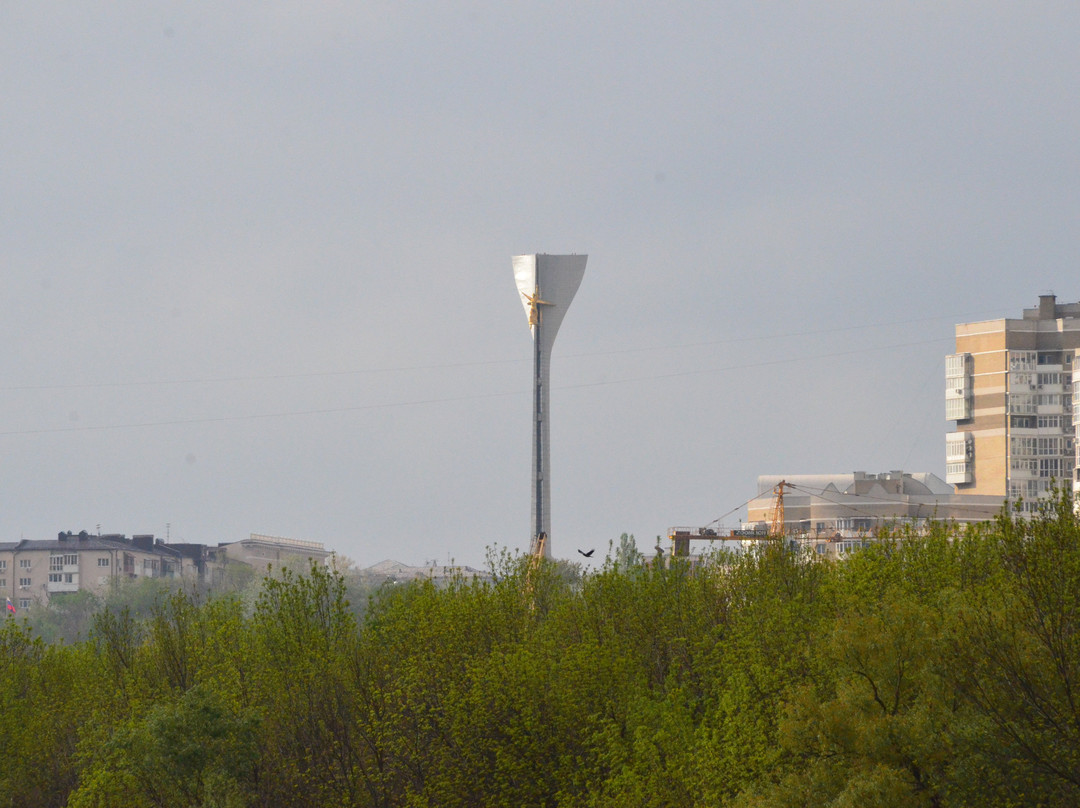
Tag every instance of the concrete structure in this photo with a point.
(855, 505)
(833, 514)
(1011, 388)
(260, 551)
(397, 572)
(547, 284)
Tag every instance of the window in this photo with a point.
(1049, 422)
(3, 565)
(24, 563)
(1049, 446)
(1050, 467)
(69, 577)
(957, 409)
(56, 563)
(1022, 404)
(1022, 446)
(3, 583)
(55, 577)
(1050, 358)
(957, 364)
(1024, 380)
(1022, 421)
(103, 562)
(958, 403)
(1049, 378)
(24, 603)
(24, 582)
(1022, 360)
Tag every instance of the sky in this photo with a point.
(256, 255)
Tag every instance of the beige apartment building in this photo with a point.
(33, 571)
(1011, 389)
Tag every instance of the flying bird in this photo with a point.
(588, 554)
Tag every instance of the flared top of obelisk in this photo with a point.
(547, 284)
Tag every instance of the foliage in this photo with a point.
(937, 670)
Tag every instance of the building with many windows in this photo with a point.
(857, 504)
(1010, 388)
(32, 571)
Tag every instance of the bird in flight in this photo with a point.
(588, 554)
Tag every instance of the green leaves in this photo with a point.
(937, 670)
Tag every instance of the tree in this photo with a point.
(627, 554)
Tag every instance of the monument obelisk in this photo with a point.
(547, 284)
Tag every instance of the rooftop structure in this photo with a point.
(261, 551)
(398, 572)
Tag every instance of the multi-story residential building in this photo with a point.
(33, 571)
(1011, 387)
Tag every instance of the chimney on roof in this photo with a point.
(1047, 307)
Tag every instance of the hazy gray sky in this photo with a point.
(257, 255)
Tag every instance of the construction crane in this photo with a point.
(776, 526)
(681, 537)
(536, 558)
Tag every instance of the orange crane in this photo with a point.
(776, 527)
(536, 558)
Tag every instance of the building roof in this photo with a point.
(86, 541)
(859, 482)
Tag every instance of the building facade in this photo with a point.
(833, 514)
(33, 571)
(857, 504)
(1011, 390)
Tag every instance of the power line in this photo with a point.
(444, 400)
(446, 365)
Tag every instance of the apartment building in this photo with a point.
(32, 571)
(1011, 389)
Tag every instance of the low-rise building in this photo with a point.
(260, 551)
(396, 571)
(856, 504)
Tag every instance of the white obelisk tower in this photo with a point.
(547, 284)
